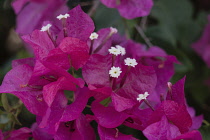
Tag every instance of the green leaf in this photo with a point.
(175, 23)
(179, 11)
(205, 132)
(106, 101)
(5, 102)
(160, 34)
(15, 119)
(4, 119)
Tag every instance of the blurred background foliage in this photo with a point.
(172, 25)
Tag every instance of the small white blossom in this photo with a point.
(113, 30)
(115, 72)
(122, 50)
(142, 96)
(114, 51)
(46, 28)
(63, 16)
(93, 36)
(130, 62)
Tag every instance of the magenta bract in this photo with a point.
(16, 82)
(78, 25)
(112, 134)
(175, 113)
(29, 20)
(23, 133)
(76, 50)
(107, 116)
(130, 8)
(162, 130)
(78, 129)
(202, 46)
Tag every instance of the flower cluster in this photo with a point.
(32, 13)
(122, 83)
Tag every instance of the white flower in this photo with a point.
(122, 50)
(130, 62)
(117, 50)
(63, 16)
(142, 96)
(113, 30)
(93, 36)
(46, 28)
(115, 72)
(114, 51)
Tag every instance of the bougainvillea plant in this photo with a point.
(85, 85)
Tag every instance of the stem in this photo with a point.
(72, 71)
(34, 87)
(64, 27)
(88, 106)
(206, 122)
(143, 23)
(147, 103)
(102, 44)
(94, 7)
(91, 47)
(113, 59)
(113, 83)
(141, 32)
(53, 41)
(71, 67)
(113, 80)
(85, 3)
(117, 133)
(170, 89)
(125, 76)
(126, 29)
(161, 97)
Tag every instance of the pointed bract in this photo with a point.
(16, 82)
(175, 113)
(107, 116)
(162, 130)
(40, 43)
(139, 80)
(79, 25)
(74, 110)
(192, 135)
(78, 129)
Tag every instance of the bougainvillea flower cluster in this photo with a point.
(122, 83)
(31, 14)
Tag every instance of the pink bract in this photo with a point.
(31, 14)
(130, 8)
(202, 46)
